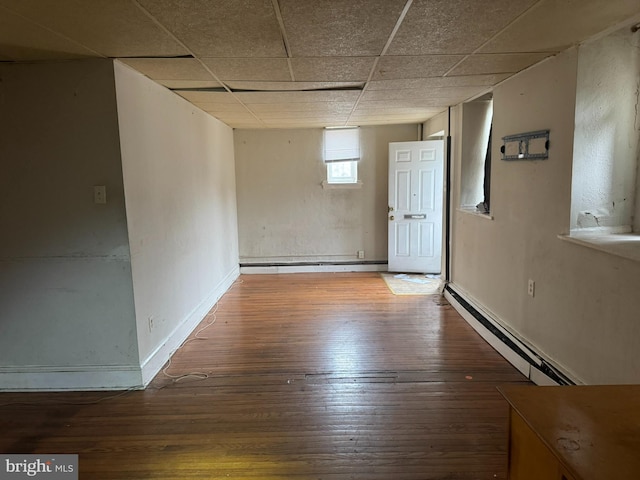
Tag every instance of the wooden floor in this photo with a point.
(301, 376)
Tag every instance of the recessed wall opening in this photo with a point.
(607, 134)
(477, 117)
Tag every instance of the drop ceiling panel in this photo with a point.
(280, 86)
(497, 63)
(431, 103)
(332, 69)
(453, 26)
(169, 68)
(339, 28)
(223, 107)
(113, 28)
(436, 92)
(21, 40)
(388, 118)
(553, 26)
(308, 123)
(305, 97)
(461, 81)
(303, 114)
(186, 84)
(334, 47)
(258, 69)
(394, 67)
(326, 107)
(233, 28)
(390, 108)
(235, 117)
(196, 96)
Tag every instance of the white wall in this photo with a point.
(607, 132)
(585, 310)
(179, 181)
(67, 314)
(285, 215)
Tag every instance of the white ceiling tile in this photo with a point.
(187, 84)
(321, 69)
(553, 25)
(293, 97)
(461, 93)
(113, 28)
(196, 96)
(256, 69)
(169, 68)
(303, 114)
(453, 26)
(339, 28)
(391, 108)
(235, 116)
(460, 81)
(401, 67)
(431, 103)
(289, 86)
(497, 63)
(326, 107)
(310, 123)
(232, 28)
(222, 107)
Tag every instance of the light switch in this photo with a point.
(100, 194)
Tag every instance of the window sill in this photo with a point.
(623, 244)
(327, 186)
(474, 211)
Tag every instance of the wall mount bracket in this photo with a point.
(526, 146)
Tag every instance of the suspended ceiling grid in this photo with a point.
(310, 63)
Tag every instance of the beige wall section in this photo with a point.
(285, 215)
(584, 315)
(67, 315)
(179, 180)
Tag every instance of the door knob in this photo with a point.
(392, 217)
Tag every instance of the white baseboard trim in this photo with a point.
(521, 356)
(152, 365)
(76, 378)
(258, 269)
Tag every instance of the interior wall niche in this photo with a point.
(607, 134)
(477, 116)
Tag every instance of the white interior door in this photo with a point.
(415, 206)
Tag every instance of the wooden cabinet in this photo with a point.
(574, 433)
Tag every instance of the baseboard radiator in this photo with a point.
(529, 362)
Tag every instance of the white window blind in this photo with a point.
(341, 144)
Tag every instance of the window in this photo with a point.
(604, 193)
(477, 117)
(341, 154)
(342, 172)
(605, 185)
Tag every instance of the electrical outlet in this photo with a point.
(100, 194)
(360, 253)
(531, 288)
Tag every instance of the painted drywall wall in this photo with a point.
(607, 133)
(476, 124)
(67, 316)
(583, 316)
(179, 182)
(285, 214)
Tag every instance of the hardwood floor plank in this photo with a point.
(305, 376)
